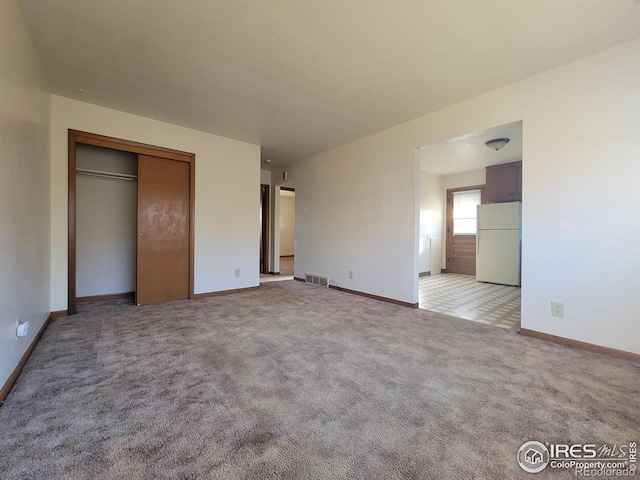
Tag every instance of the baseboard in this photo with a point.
(368, 295)
(6, 388)
(425, 274)
(225, 292)
(287, 256)
(612, 352)
(374, 297)
(274, 273)
(109, 296)
(443, 270)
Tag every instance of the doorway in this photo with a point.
(451, 172)
(165, 218)
(106, 222)
(264, 228)
(287, 230)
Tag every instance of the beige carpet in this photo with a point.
(291, 381)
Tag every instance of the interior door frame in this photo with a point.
(75, 137)
(264, 228)
(449, 218)
(286, 189)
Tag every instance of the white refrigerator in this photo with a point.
(498, 243)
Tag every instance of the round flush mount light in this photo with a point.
(497, 143)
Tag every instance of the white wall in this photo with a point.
(225, 238)
(24, 188)
(358, 206)
(287, 223)
(456, 180)
(357, 210)
(465, 179)
(265, 177)
(431, 223)
(106, 219)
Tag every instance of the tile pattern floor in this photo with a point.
(462, 296)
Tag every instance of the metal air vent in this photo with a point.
(316, 279)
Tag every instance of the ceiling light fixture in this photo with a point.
(497, 143)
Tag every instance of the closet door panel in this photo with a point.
(162, 271)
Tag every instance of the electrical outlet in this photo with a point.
(350, 275)
(237, 272)
(22, 329)
(557, 309)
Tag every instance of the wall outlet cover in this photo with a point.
(22, 329)
(557, 309)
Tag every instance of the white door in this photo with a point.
(498, 256)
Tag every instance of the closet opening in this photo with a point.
(125, 201)
(106, 195)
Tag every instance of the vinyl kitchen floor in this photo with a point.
(463, 297)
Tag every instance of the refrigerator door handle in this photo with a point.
(477, 242)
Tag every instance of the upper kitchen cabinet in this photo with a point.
(504, 182)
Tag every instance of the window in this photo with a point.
(465, 212)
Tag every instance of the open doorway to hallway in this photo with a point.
(284, 236)
(287, 230)
(264, 228)
(452, 174)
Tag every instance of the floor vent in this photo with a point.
(316, 279)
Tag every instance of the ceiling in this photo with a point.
(469, 152)
(300, 77)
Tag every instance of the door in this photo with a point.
(461, 255)
(461, 228)
(163, 230)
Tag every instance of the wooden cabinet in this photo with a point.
(504, 182)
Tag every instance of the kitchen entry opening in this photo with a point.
(453, 245)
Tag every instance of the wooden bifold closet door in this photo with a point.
(163, 230)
